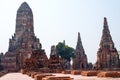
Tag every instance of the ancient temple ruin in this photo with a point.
(107, 55)
(80, 60)
(37, 61)
(54, 61)
(23, 42)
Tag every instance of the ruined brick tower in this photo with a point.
(107, 55)
(54, 61)
(23, 42)
(80, 60)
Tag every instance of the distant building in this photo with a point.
(54, 61)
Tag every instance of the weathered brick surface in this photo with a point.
(44, 70)
(34, 73)
(107, 55)
(28, 73)
(75, 72)
(109, 74)
(89, 73)
(23, 71)
(66, 72)
(2, 73)
(24, 43)
(57, 78)
(37, 62)
(54, 61)
(40, 76)
(80, 60)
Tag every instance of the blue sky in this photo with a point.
(58, 20)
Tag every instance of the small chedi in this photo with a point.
(24, 42)
(54, 61)
(37, 62)
(80, 60)
(107, 55)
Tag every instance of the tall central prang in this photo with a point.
(23, 42)
(24, 20)
(24, 32)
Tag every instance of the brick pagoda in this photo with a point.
(80, 60)
(54, 61)
(23, 42)
(107, 55)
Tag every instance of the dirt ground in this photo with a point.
(19, 76)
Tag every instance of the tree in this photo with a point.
(65, 51)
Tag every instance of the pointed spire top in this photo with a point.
(105, 25)
(78, 33)
(79, 36)
(105, 19)
(105, 22)
(79, 43)
(24, 3)
(106, 39)
(79, 46)
(24, 7)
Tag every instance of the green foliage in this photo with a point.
(65, 51)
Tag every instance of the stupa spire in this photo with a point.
(24, 20)
(79, 43)
(105, 21)
(24, 6)
(106, 39)
(80, 60)
(107, 55)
